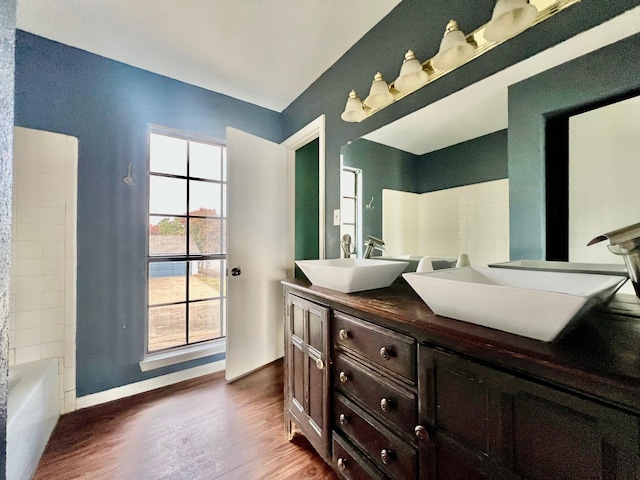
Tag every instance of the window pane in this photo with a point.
(205, 236)
(204, 198)
(167, 195)
(167, 282)
(224, 200)
(224, 164)
(348, 184)
(204, 321)
(348, 211)
(168, 154)
(204, 279)
(167, 236)
(205, 161)
(224, 236)
(167, 327)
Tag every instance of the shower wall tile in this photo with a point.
(44, 253)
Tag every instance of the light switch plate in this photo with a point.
(336, 217)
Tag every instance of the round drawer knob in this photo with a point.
(343, 334)
(422, 434)
(343, 377)
(385, 353)
(386, 456)
(319, 364)
(342, 463)
(386, 405)
(343, 419)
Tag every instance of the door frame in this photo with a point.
(315, 129)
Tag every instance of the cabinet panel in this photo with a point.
(381, 397)
(307, 374)
(384, 347)
(554, 434)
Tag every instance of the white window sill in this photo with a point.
(152, 361)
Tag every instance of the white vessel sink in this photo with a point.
(349, 275)
(534, 304)
(412, 260)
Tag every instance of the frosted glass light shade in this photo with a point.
(353, 111)
(510, 17)
(379, 95)
(412, 76)
(454, 49)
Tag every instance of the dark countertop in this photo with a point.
(600, 358)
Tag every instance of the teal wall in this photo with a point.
(599, 77)
(307, 195)
(416, 25)
(479, 160)
(382, 167)
(108, 106)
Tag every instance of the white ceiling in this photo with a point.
(481, 108)
(265, 52)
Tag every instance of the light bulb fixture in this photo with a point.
(454, 49)
(510, 17)
(353, 111)
(379, 95)
(412, 76)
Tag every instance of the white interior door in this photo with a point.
(256, 251)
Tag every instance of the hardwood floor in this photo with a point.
(200, 429)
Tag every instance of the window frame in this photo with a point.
(190, 349)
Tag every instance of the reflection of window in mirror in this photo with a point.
(604, 169)
(350, 208)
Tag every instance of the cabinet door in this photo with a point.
(459, 416)
(551, 434)
(307, 371)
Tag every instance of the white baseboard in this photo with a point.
(147, 385)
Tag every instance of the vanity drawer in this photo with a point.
(384, 347)
(386, 449)
(350, 464)
(380, 395)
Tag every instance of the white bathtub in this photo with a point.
(32, 412)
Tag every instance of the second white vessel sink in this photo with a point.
(539, 305)
(349, 275)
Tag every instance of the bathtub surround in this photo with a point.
(33, 413)
(7, 63)
(43, 318)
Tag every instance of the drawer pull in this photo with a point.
(342, 463)
(386, 405)
(422, 434)
(386, 456)
(343, 419)
(343, 377)
(385, 353)
(319, 364)
(343, 334)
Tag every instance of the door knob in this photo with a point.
(235, 271)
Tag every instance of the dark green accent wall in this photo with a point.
(419, 25)
(382, 167)
(307, 203)
(479, 160)
(7, 64)
(609, 73)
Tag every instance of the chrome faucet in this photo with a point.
(346, 245)
(372, 243)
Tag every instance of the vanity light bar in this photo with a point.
(546, 9)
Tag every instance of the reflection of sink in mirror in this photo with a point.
(539, 305)
(412, 260)
(349, 275)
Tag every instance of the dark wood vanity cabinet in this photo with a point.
(307, 371)
(398, 406)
